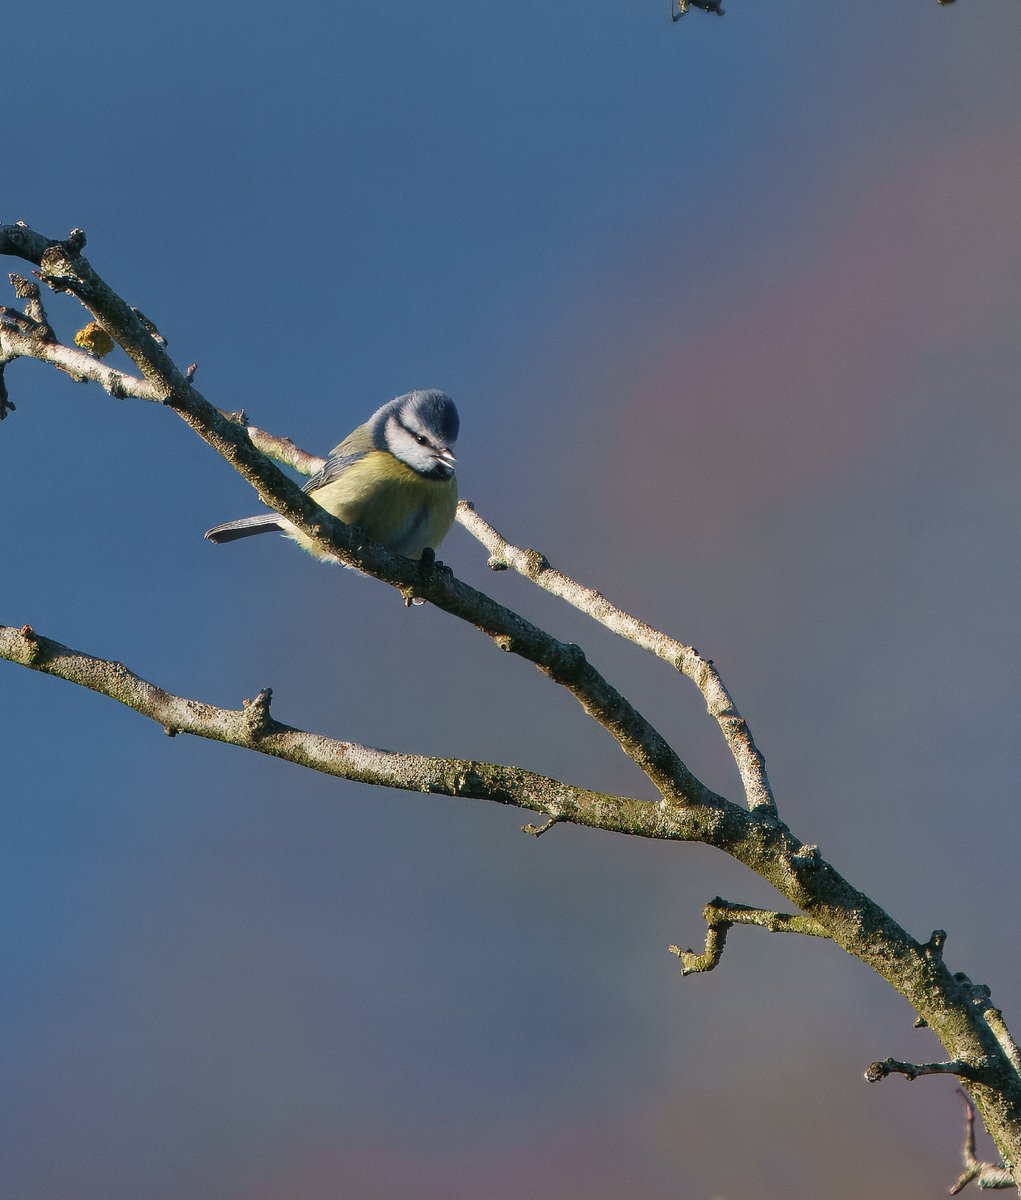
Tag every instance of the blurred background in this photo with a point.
(730, 310)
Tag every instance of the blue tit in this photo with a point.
(393, 476)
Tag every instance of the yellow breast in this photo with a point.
(393, 504)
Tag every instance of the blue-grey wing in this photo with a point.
(332, 469)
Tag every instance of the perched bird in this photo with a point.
(393, 476)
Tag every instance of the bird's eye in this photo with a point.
(422, 441)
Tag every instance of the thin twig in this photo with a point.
(985, 1174)
(685, 659)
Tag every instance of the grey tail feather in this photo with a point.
(246, 527)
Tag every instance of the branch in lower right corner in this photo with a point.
(721, 914)
(985, 1174)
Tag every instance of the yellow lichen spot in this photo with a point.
(95, 339)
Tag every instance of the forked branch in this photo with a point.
(685, 659)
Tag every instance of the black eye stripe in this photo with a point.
(418, 437)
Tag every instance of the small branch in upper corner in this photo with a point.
(892, 1066)
(721, 914)
(985, 1174)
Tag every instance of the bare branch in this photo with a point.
(686, 659)
(721, 914)
(254, 728)
(283, 450)
(892, 1066)
(79, 364)
(25, 290)
(985, 1174)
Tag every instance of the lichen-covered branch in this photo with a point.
(721, 914)
(81, 366)
(686, 659)
(254, 728)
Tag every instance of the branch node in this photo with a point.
(257, 719)
(75, 241)
(933, 948)
(535, 562)
(808, 856)
(497, 564)
(31, 639)
(189, 373)
(171, 731)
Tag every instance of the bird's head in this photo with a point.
(419, 428)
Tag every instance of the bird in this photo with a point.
(393, 476)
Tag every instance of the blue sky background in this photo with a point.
(730, 310)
